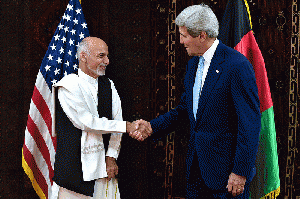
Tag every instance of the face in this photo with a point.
(192, 44)
(97, 61)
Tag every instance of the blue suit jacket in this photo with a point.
(225, 134)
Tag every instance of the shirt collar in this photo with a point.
(86, 77)
(208, 55)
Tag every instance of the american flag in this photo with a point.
(39, 144)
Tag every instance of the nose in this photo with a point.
(106, 61)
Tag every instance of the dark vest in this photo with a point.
(67, 166)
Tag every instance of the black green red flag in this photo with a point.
(236, 32)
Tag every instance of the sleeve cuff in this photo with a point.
(112, 153)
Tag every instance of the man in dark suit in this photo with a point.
(222, 104)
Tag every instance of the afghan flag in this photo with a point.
(236, 32)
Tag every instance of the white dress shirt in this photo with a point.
(77, 95)
(208, 55)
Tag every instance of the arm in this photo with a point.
(168, 122)
(74, 105)
(246, 102)
(115, 138)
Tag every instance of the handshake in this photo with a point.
(140, 129)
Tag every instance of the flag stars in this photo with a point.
(68, 17)
(84, 25)
(75, 66)
(66, 29)
(59, 60)
(78, 11)
(75, 21)
(65, 73)
(56, 71)
(54, 81)
(70, 52)
(70, 7)
(71, 42)
(64, 39)
(67, 63)
(60, 26)
(53, 47)
(64, 16)
(73, 32)
(81, 36)
(47, 68)
(61, 50)
(56, 37)
(50, 57)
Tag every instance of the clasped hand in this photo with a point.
(236, 184)
(140, 130)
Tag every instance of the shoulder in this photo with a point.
(232, 59)
(70, 81)
(230, 55)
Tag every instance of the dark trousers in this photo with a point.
(196, 187)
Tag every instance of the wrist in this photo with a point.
(130, 127)
(128, 124)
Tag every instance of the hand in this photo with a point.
(143, 130)
(236, 184)
(111, 167)
(132, 128)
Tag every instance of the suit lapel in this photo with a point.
(190, 80)
(213, 74)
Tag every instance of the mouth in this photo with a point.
(103, 67)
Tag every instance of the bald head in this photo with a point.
(94, 42)
(92, 54)
(87, 43)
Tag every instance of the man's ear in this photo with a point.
(83, 56)
(202, 36)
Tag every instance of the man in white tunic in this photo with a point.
(88, 107)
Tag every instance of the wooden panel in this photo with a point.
(28, 27)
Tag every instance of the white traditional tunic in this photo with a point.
(77, 95)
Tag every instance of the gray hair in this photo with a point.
(83, 46)
(198, 18)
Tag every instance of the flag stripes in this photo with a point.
(31, 169)
(42, 107)
(248, 47)
(41, 144)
